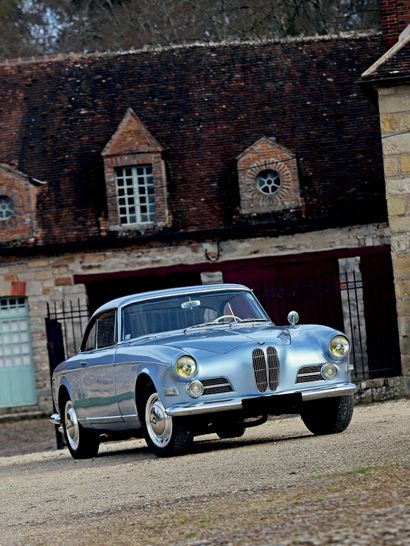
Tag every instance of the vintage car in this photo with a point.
(173, 364)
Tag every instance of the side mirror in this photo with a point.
(293, 318)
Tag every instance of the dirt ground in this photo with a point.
(277, 486)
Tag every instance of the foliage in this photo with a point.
(31, 27)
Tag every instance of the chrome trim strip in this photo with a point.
(316, 394)
(210, 407)
(108, 418)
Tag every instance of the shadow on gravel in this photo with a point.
(202, 446)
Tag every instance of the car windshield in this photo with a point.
(190, 311)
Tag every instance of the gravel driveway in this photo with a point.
(278, 485)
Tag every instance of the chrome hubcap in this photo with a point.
(71, 425)
(159, 424)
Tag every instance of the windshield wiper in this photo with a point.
(253, 320)
(211, 323)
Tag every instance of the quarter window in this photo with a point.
(135, 194)
(100, 333)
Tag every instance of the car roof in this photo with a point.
(143, 296)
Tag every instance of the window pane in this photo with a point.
(135, 193)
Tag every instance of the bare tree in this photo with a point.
(94, 25)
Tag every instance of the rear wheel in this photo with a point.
(329, 415)
(164, 435)
(82, 443)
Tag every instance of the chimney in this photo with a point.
(394, 18)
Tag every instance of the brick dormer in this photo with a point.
(135, 177)
(18, 199)
(268, 178)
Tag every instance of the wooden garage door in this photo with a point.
(311, 288)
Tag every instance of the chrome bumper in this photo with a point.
(329, 392)
(183, 410)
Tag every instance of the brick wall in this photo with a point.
(394, 17)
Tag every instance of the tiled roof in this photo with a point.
(394, 64)
(204, 105)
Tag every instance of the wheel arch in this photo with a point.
(64, 394)
(143, 380)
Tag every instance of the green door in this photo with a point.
(17, 383)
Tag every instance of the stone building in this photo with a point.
(389, 76)
(259, 163)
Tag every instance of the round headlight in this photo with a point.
(329, 371)
(195, 388)
(185, 366)
(339, 346)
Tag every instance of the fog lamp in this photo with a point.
(339, 346)
(329, 371)
(185, 366)
(195, 389)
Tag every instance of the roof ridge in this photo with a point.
(158, 49)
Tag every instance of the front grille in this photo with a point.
(266, 371)
(309, 373)
(216, 385)
(273, 368)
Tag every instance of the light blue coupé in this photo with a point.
(173, 364)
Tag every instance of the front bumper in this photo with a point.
(237, 404)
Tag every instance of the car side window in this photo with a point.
(89, 339)
(106, 329)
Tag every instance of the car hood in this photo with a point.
(222, 340)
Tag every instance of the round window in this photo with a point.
(6, 208)
(268, 181)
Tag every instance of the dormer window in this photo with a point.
(268, 178)
(136, 194)
(135, 177)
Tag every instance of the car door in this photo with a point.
(98, 403)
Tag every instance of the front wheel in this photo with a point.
(329, 415)
(164, 435)
(82, 443)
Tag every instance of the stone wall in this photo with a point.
(394, 104)
(51, 278)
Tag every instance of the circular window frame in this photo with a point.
(268, 182)
(7, 208)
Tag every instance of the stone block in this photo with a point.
(401, 266)
(396, 144)
(389, 123)
(399, 224)
(63, 281)
(405, 164)
(400, 244)
(390, 104)
(397, 204)
(402, 289)
(391, 166)
(404, 122)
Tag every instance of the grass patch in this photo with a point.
(364, 470)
